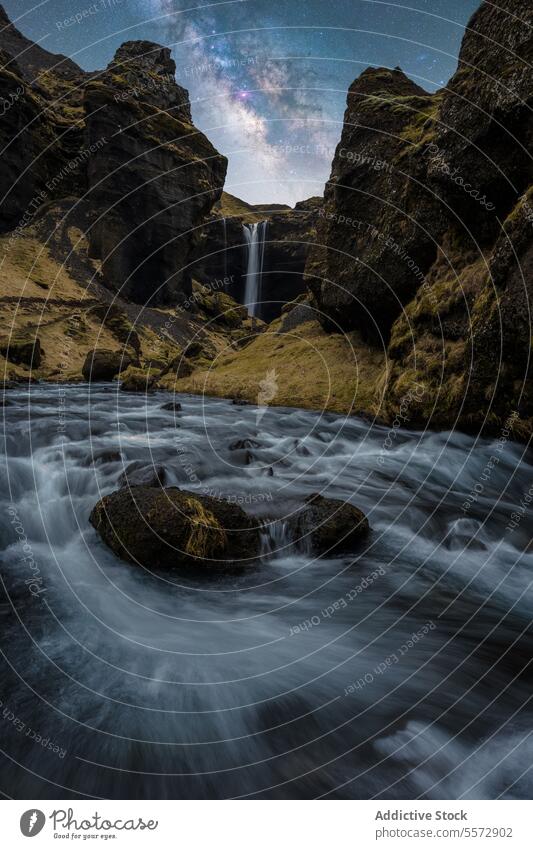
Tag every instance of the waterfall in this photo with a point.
(255, 235)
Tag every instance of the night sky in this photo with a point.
(267, 78)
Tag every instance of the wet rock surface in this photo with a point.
(327, 526)
(171, 528)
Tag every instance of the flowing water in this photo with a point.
(254, 235)
(402, 671)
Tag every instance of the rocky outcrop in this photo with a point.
(170, 528)
(290, 237)
(424, 241)
(103, 365)
(326, 526)
(41, 136)
(374, 199)
(125, 138)
(27, 352)
(152, 179)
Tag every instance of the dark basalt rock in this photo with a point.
(39, 130)
(327, 526)
(241, 444)
(123, 138)
(166, 175)
(145, 71)
(486, 130)
(373, 201)
(172, 407)
(411, 252)
(99, 458)
(170, 528)
(103, 365)
(27, 352)
(138, 473)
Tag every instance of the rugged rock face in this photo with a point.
(170, 528)
(41, 131)
(374, 199)
(125, 137)
(33, 59)
(27, 351)
(485, 129)
(152, 178)
(290, 235)
(425, 238)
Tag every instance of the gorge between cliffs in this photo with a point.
(266, 515)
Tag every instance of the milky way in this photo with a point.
(267, 78)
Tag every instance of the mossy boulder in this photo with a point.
(220, 306)
(139, 380)
(201, 348)
(229, 312)
(327, 526)
(171, 528)
(102, 364)
(180, 367)
(22, 351)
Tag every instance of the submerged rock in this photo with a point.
(170, 528)
(242, 444)
(328, 526)
(98, 458)
(172, 406)
(138, 473)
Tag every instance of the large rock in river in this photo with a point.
(172, 528)
(328, 526)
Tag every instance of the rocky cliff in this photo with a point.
(121, 139)
(153, 177)
(425, 238)
(104, 182)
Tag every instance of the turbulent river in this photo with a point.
(402, 671)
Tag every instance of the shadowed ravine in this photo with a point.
(295, 678)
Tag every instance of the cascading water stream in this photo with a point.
(255, 235)
(292, 678)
